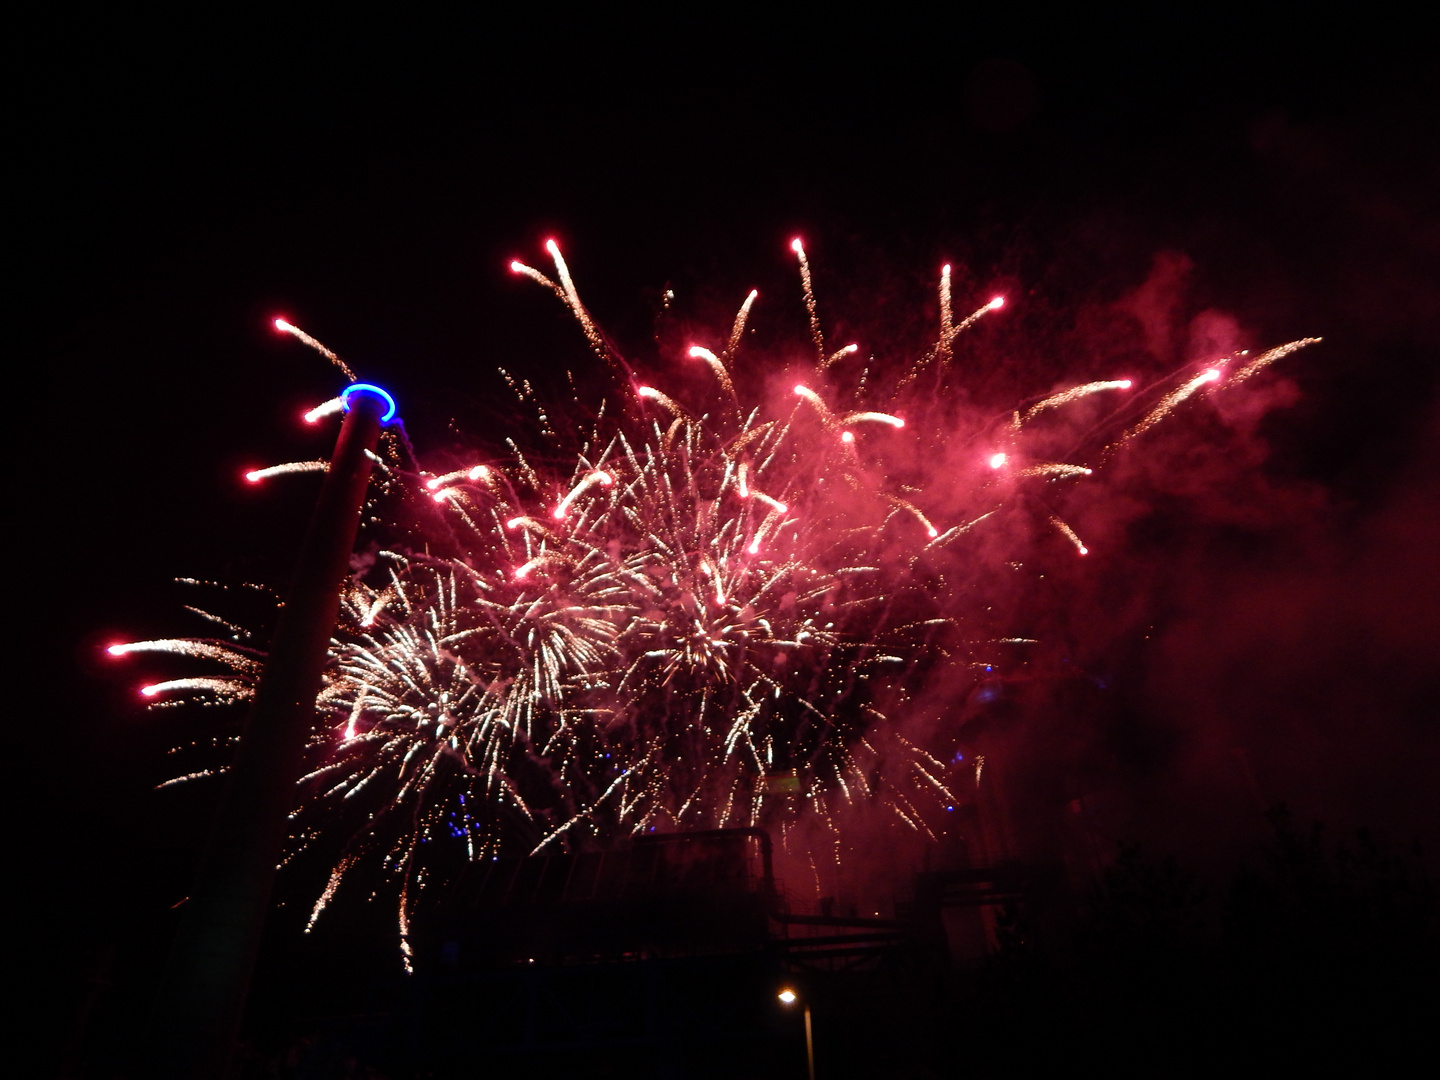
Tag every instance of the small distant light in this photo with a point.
(787, 995)
(951, 809)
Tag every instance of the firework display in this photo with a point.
(688, 608)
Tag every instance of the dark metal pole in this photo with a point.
(202, 993)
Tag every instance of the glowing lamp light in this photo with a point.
(998, 460)
(370, 388)
(787, 996)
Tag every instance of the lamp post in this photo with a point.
(788, 997)
(201, 999)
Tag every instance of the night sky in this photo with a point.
(188, 178)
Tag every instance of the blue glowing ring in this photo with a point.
(365, 387)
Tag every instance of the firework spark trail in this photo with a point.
(943, 349)
(1069, 534)
(947, 317)
(1267, 358)
(229, 655)
(256, 475)
(1167, 404)
(296, 332)
(737, 330)
(717, 366)
(1065, 397)
(810, 307)
(691, 626)
(328, 408)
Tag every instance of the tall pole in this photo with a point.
(202, 993)
(809, 1046)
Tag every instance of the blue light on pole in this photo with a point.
(370, 388)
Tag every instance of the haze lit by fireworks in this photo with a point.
(715, 612)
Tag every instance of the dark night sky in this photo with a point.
(370, 177)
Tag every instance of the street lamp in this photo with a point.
(788, 997)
